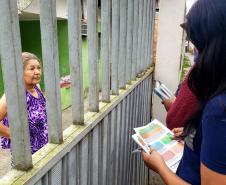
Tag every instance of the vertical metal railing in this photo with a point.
(141, 2)
(135, 38)
(93, 56)
(115, 47)
(122, 44)
(48, 23)
(129, 38)
(14, 88)
(126, 44)
(75, 57)
(105, 49)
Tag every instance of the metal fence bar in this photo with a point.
(122, 139)
(95, 177)
(141, 124)
(137, 125)
(135, 38)
(147, 118)
(147, 33)
(101, 135)
(131, 118)
(75, 59)
(128, 137)
(115, 47)
(118, 143)
(105, 49)
(51, 69)
(151, 32)
(93, 55)
(64, 170)
(10, 47)
(129, 40)
(122, 44)
(55, 176)
(112, 161)
(141, 2)
(153, 26)
(149, 51)
(84, 159)
(73, 167)
(133, 156)
(105, 163)
(45, 179)
(143, 35)
(126, 144)
(145, 122)
(38, 183)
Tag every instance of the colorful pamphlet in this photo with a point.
(162, 91)
(156, 135)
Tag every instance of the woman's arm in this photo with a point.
(213, 147)
(4, 131)
(157, 164)
(210, 177)
(168, 102)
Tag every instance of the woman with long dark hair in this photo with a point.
(204, 158)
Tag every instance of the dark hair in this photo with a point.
(206, 28)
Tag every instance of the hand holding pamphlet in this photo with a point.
(155, 135)
(162, 91)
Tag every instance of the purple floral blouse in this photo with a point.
(37, 119)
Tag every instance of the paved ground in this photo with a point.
(5, 162)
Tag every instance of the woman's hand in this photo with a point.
(154, 160)
(168, 102)
(178, 132)
(4, 131)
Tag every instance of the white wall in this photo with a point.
(169, 47)
(61, 8)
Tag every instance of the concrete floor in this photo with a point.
(5, 161)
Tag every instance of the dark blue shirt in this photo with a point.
(209, 144)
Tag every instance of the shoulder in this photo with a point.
(38, 88)
(3, 107)
(213, 148)
(38, 85)
(3, 101)
(216, 106)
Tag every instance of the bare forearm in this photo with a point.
(171, 178)
(4, 131)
